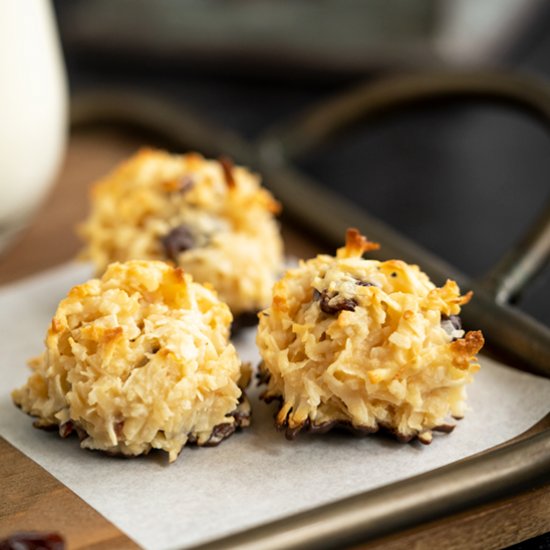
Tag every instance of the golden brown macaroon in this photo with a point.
(138, 360)
(209, 217)
(364, 344)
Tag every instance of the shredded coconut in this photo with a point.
(360, 343)
(231, 238)
(137, 360)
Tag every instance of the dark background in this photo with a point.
(465, 180)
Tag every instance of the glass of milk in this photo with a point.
(33, 109)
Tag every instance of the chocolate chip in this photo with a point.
(178, 240)
(444, 428)
(332, 304)
(219, 433)
(263, 376)
(347, 304)
(33, 541)
(227, 167)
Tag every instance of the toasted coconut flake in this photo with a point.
(228, 167)
(356, 245)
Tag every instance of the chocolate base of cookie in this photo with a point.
(291, 433)
(220, 432)
(241, 415)
(263, 376)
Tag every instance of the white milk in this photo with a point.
(33, 115)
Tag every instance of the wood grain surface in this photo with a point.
(31, 499)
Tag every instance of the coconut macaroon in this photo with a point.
(138, 360)
(210, 217)
(365, 345)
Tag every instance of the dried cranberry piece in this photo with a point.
(33, 541)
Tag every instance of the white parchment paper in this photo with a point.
(253, 477)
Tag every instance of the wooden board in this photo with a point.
(33, 500)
